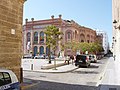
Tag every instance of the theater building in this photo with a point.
(34, 38)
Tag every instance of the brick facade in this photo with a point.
(11, 15)
(76, 32)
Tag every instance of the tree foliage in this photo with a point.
(84, 46)
(52, 36)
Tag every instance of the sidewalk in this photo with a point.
(61, 69)
(111, 79)
(42, 65)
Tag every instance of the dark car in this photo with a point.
(82, 60)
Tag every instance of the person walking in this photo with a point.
(72, 58)
(114, 57)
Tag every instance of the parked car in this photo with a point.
(92, 58)
(82, 60)
(28, 56)
(39, 57)
(51, 57)
(8, 80)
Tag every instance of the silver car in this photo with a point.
(93, 58)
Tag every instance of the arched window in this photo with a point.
(28, 36)
(88, 38)
(82, 38)
(41, 50)
(47, 50)
(42, 37)
(88, 41)
(68, 35)
(35, 50)
(36, 37)
(75, 34)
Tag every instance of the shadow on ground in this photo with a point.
(93, 66)
(86, 72)
(45, 85)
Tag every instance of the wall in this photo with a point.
(11, 15)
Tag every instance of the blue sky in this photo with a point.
(95, 14)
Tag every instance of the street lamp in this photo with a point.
(114, 40)
(115, 25)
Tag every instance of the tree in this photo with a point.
(74, 46)
(52, 38)
(84, 47)
(92, 48)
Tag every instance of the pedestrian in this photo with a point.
(72, 58)
(114, 57)
(68, 59)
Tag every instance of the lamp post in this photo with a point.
(115, 25)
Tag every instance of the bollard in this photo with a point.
(21, 75)
(31, 66)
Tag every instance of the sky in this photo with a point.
(94, 14)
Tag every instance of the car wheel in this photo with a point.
(89, 65)
(75, 64)
(95, 61)
(86, 66)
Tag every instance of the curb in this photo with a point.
(101, 76)
(48, 71)
(52, 66)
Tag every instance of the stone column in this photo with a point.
(44, 49)
(32, 35)
(45, 43)
(25, 37)
(45, 38)
(31, 41)
(60, 30)
(38, 37)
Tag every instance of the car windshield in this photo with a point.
(80, 57)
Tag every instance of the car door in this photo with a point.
(6, 82)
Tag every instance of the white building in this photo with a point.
(116, 27)
(105, 43)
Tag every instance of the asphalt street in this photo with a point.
(46, 85)
(79, 79)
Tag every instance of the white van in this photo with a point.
(8, 80)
